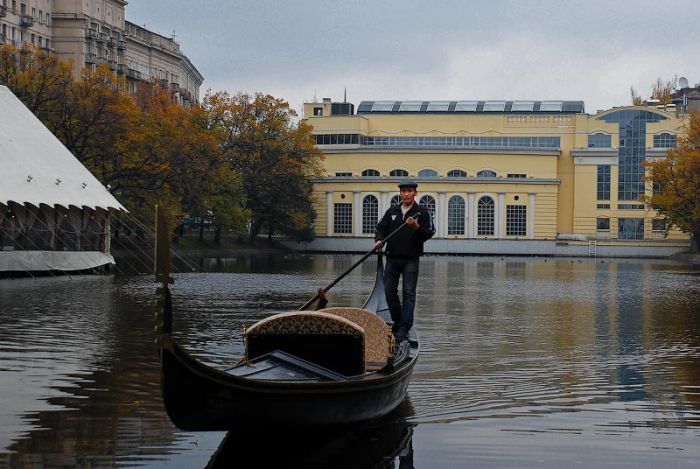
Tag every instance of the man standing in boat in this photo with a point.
(403, 252)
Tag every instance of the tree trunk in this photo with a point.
(217, 234)
(254, 231)
(201, 230)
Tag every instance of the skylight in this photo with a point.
(522, 106)
(383, 106)
(494, 106)
(466, 106)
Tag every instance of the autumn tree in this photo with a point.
(276, 157)
(676, 180)
(661, 90)
(199, 171)
(37, 77)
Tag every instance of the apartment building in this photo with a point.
(93, 32)
(494, 171)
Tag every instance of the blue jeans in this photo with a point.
(401, 311)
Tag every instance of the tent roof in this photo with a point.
(36, 168)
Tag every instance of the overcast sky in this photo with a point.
(590, 50)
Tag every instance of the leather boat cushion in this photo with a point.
(325, 339)
(379, 342)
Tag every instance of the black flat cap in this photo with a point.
(408, 183)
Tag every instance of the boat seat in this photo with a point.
(379, 342)
(328, 340)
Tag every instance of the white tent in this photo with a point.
(54, 212)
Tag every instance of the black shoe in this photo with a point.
(401, 334)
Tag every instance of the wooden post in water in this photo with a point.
(162, 267)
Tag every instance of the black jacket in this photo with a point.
(407, 242)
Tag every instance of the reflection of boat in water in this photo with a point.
(384, 443)
(330, 367)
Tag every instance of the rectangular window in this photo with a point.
(599, 141)
(658, 228)
(343, 174)
(517, 175)
(516, 220)
(602, 225)
(342, 218)
(603, 183)
(630, 228)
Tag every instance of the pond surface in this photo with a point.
(525, 362)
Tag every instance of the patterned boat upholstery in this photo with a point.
(328, 340)
(305, 322)
(379, 342)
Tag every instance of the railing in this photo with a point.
(102, 37)
(26, 21)
(90, 58)
(175, 86)
(113, 65)
(135, 74)
(121, 45)
(91, 33)
(122, 69)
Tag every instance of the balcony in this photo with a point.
(122, 69)
(26, 21)
(90, 34)
(163, 83)
(135, 74)
(175, 87)
(90, 58)
(112, 65)
(3, 11)
(102, 37)
(121, 45)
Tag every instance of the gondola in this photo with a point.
(323, 368)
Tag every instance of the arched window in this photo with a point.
(486, 173)
(396, 200)
(370, 172)
(429, 202)
(664, 140)
(398, 172)
(427, 173)
(455, 215)
(370, 214)
(456, 173)
(486, 210)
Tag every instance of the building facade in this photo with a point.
(494, 171)
(93, 32)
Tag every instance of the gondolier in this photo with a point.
(403, 252)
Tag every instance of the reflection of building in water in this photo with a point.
(525, 172)
(54, 214)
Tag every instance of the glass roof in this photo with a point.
(553, 106)
(410, 106)
(468, 106)
(522, 106)
(494, 106)
(382, 106)
(438, 106)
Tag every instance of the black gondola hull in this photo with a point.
(200, 398)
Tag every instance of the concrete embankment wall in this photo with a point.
(608, 248)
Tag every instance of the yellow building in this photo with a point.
(510, 177)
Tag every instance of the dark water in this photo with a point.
(525, 363)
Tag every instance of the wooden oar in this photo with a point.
(325, 289)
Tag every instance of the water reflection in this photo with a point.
(384, 444)
(512, 349)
